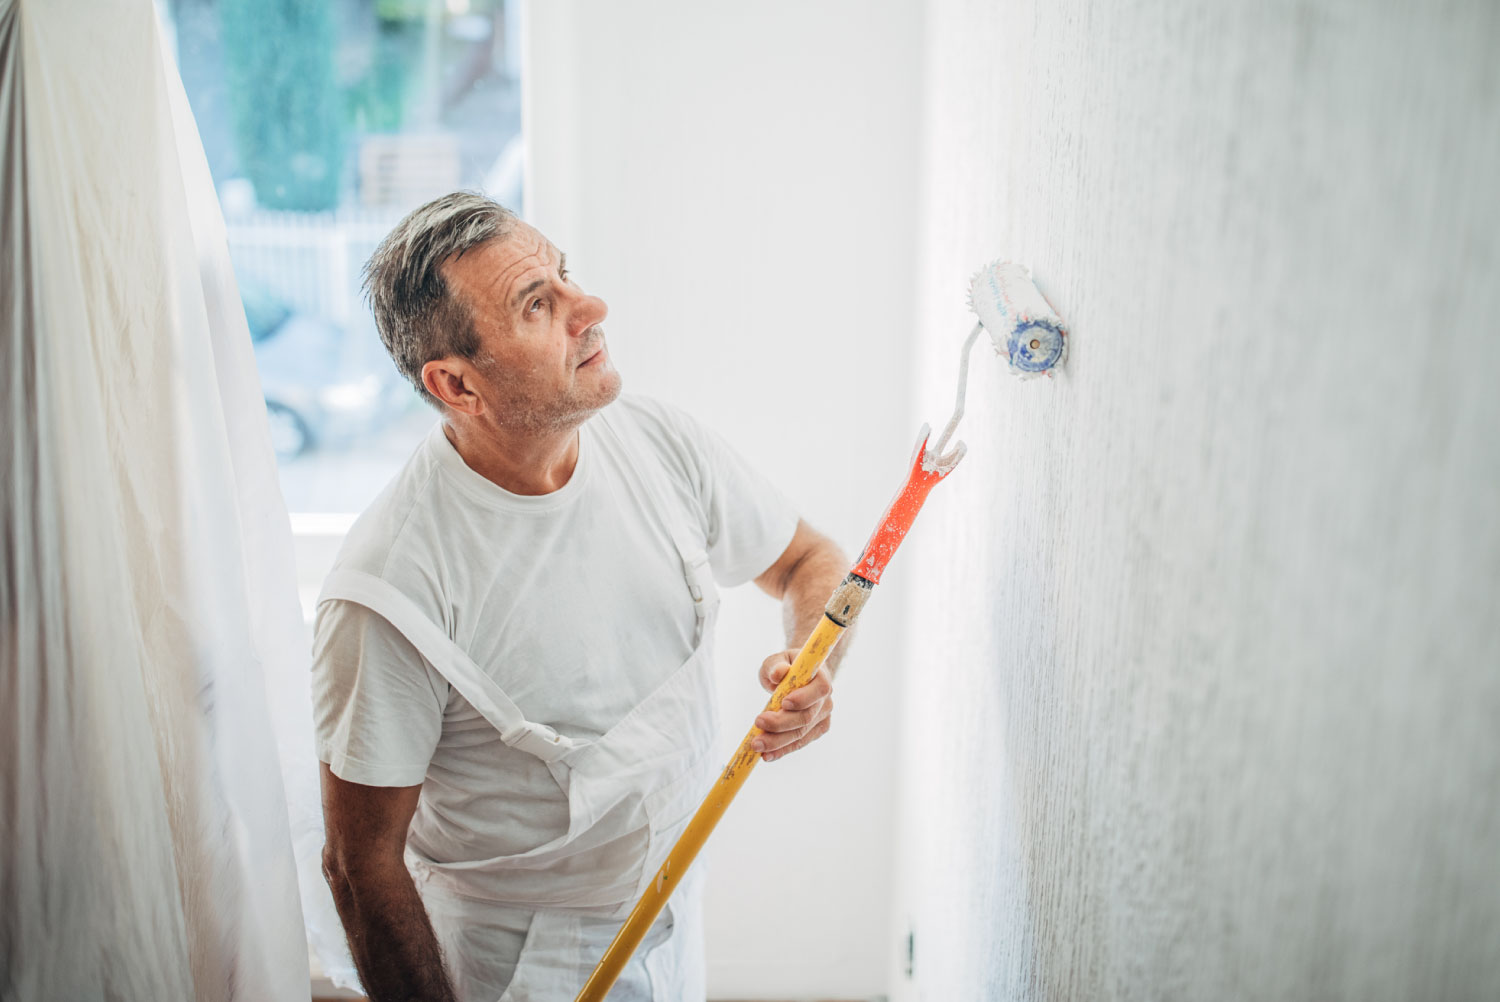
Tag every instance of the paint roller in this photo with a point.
(1023, 327)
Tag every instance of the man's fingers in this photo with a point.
(789, 721)
(817, 689)
(781, 728)
(813, 733)
(774, 669)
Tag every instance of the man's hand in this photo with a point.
(805, 713)
(802, 578)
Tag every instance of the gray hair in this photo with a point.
(419, 318)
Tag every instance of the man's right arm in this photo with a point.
(390, 935)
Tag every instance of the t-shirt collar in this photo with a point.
(488, 492)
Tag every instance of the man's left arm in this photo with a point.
(802, 578)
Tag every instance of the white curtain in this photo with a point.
(148, 615)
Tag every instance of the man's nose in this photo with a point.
(588, 311)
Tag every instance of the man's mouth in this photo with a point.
(594, 351)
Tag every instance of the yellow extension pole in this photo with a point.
(812, 655)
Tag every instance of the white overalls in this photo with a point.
(630, 793)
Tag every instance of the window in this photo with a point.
(324, 123)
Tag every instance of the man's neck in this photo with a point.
(523, 463)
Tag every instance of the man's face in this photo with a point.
(543, 365)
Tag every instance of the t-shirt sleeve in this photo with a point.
(749, 522)
(377, 703)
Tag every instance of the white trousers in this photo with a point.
(482, 942)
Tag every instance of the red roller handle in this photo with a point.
(899, 516)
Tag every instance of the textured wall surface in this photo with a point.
(1206, 650)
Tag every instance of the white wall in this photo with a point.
(1208, 641)
(737, 182)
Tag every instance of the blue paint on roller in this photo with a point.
(1035, 346)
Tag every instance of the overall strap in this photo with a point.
(694, 558)
(450, 660)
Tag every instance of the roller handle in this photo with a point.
(901, 513)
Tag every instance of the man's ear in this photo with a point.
(451, 381)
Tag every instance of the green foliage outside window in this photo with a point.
(377, 102)
(288, 113)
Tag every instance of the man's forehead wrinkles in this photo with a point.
(541, 257)
(517, 270)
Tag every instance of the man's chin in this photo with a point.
(580, 404)
(604, 391)
(610, 385)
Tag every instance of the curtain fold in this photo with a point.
(147, 594)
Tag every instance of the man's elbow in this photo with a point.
(334, 872)
(346, 868)
(810, 554)
(832, 552)
(821, 558)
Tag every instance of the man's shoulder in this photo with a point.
(665, 428)
(393, 517)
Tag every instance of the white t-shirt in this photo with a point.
(574, 602)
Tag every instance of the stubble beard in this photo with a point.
(535, 416)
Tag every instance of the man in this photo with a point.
(511, 669)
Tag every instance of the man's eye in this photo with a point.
(563, 274)
(536, 304)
